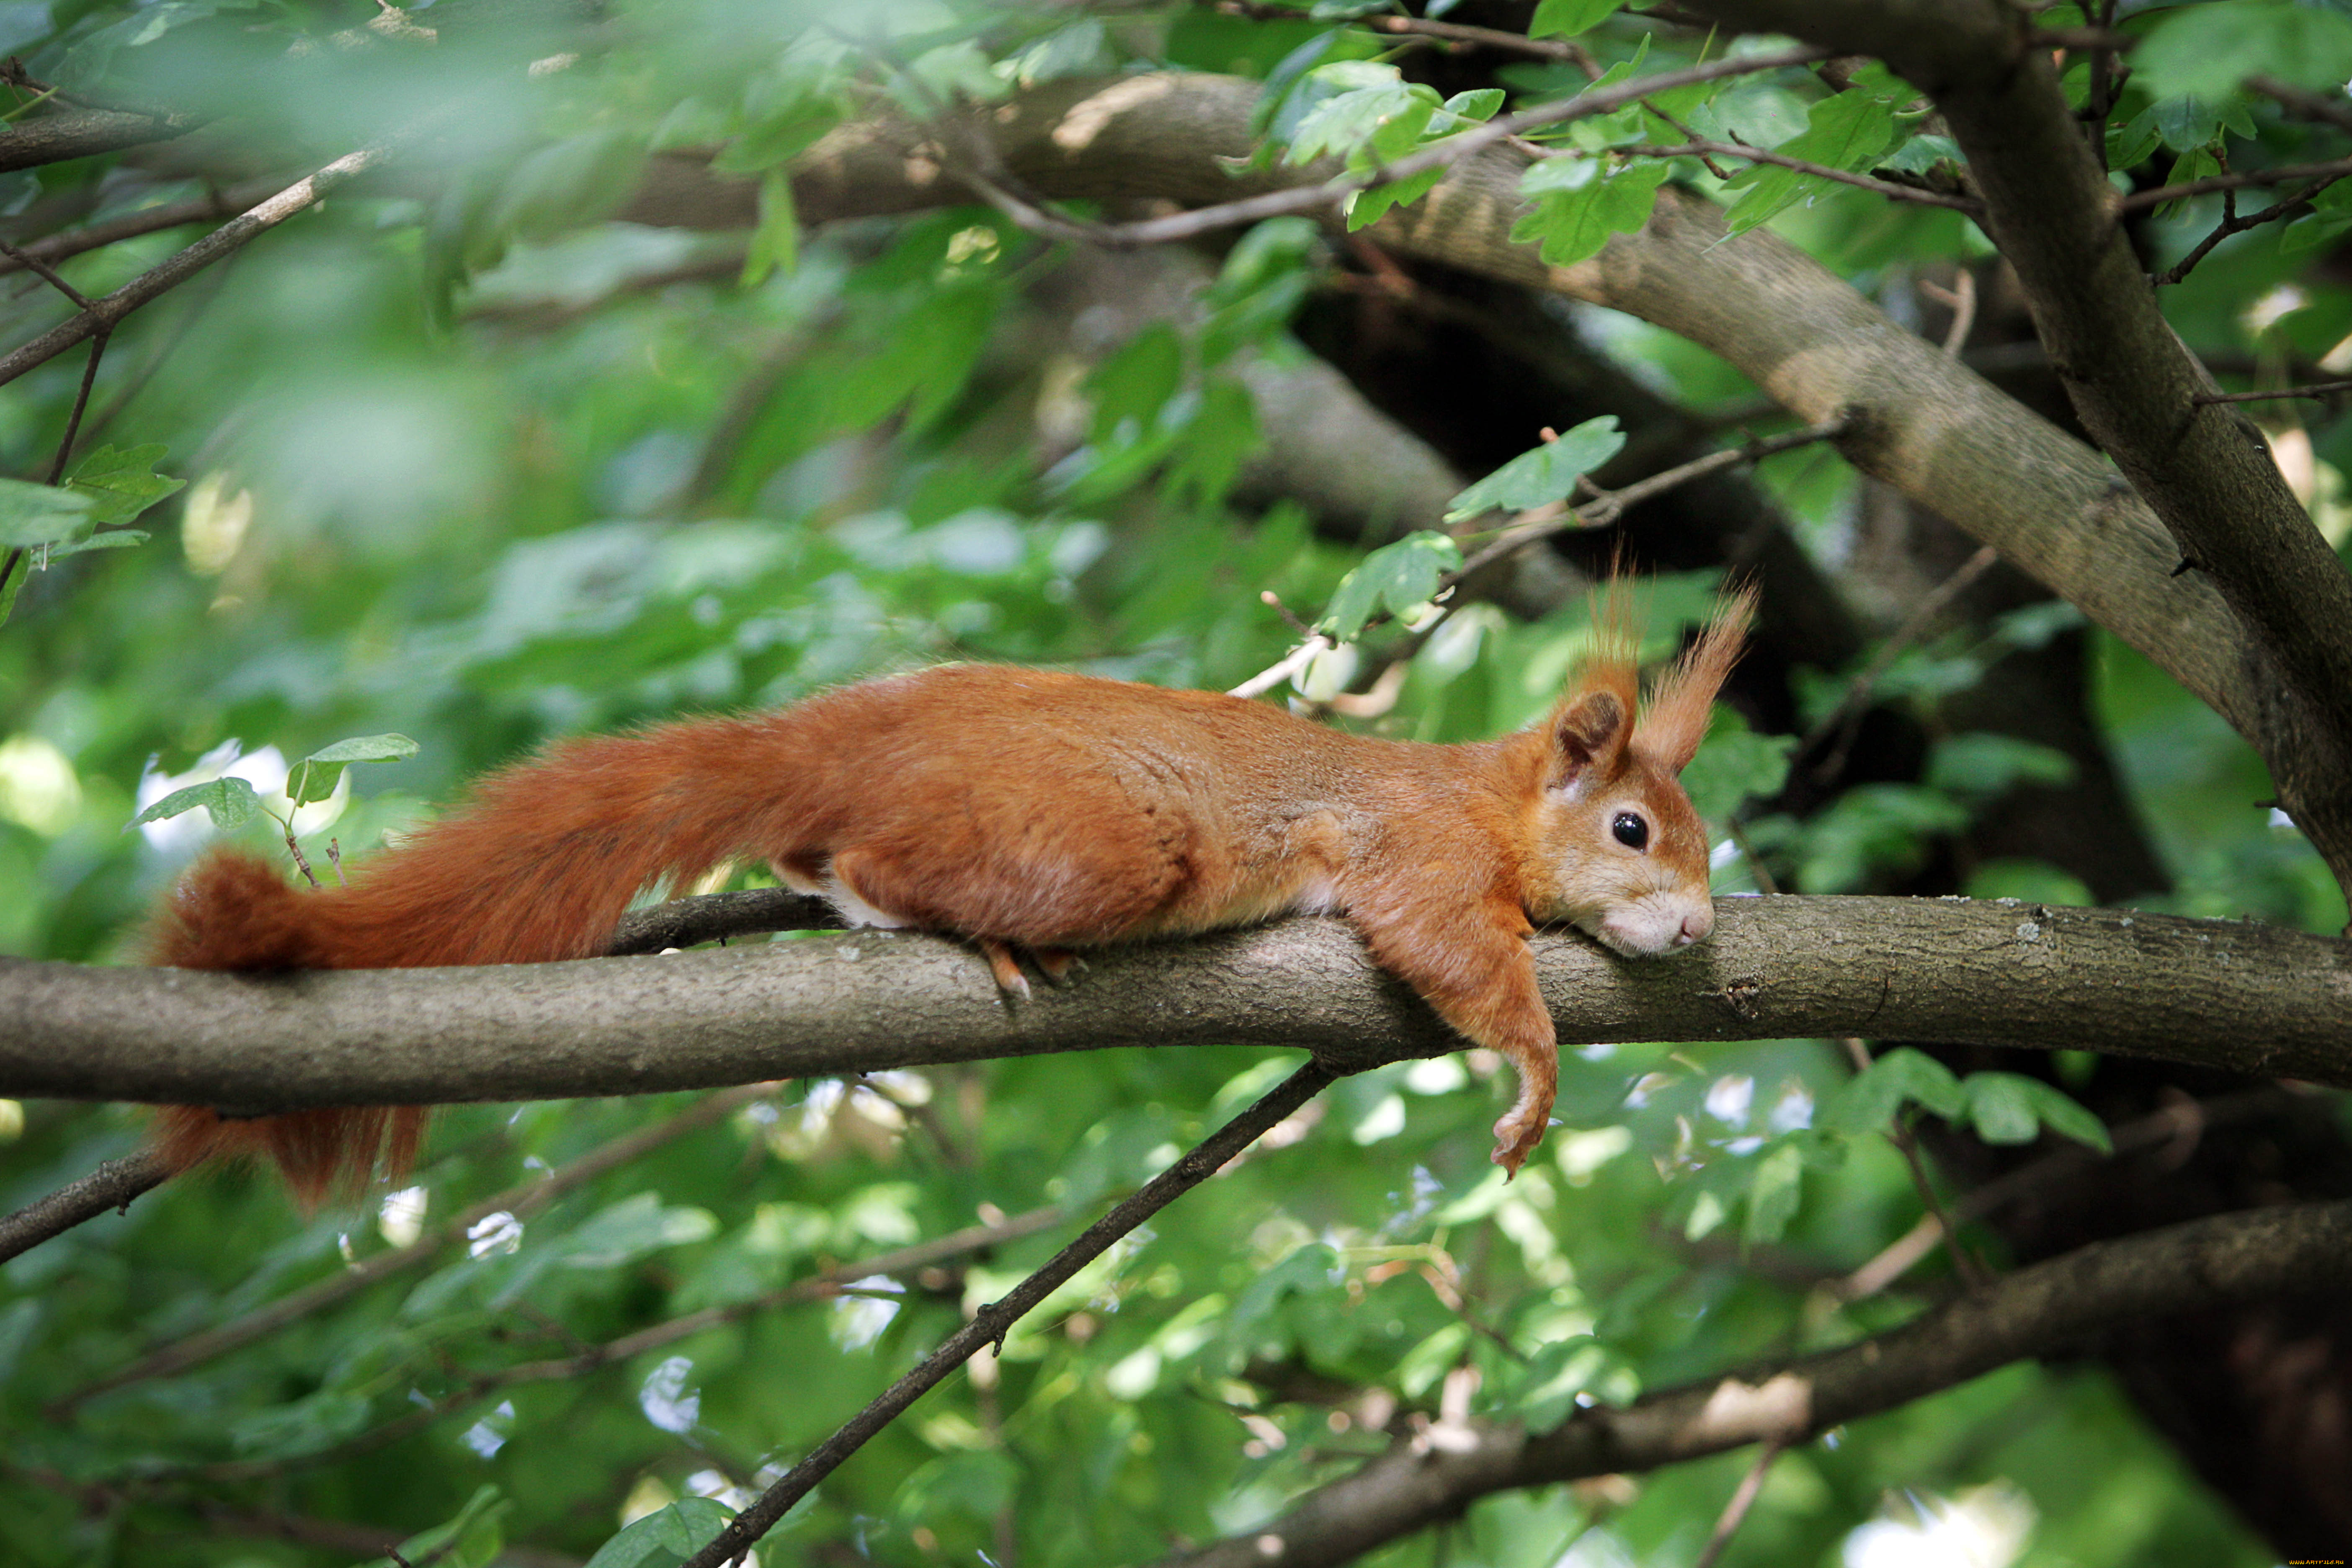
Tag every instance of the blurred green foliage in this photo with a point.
(463, 463)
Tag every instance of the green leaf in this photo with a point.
(1981, 764)
(1547, 474)
(1566, 18)
(1341, 124)
(2211, 50)
(37, 514)
(474, 1539)
(1869, 1100)
(231, 801)
(1774, 1194)
(314, 778)
(1367, 207)
(1554, 1376)
(776, 242)
(119, 539)
(1395, 576)
(1136, 382)
(2011, 1108)
(121, 484)
(664, 1538)
(1576, 219)
(1478, 104)
(1735, 765)
(1847, 131)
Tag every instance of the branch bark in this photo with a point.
(2251, 998)
(83, 133)
(2204, 470)
(2232, 1257)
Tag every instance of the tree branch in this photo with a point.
(2204, 470)
(2299, 1250)
(111, 1186)
(102, 314)
(82, 133)
(2251, 998)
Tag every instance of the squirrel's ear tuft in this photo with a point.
(1590, 730)
(1676, 720)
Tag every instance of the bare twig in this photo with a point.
(81, 402)
(1847, 715)
(1606, 507)
(1736, 1510)
(210, 207)
(2232, 224)
(1699, 147)
(43, 270)
(1961, 300)
(111, 1186)
(103, 314)
(2317, 389)
(2329, 107)
(989, 1325)
(2285, 174)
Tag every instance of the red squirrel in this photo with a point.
(1025, 809)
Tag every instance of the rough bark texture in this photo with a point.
(2204, 470)
(2251, 998)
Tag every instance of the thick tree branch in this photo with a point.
(2251, 998)
(2207, 1263)
(2203, 469)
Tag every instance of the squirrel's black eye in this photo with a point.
(1630, 830)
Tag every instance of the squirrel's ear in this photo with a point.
(1591, 730)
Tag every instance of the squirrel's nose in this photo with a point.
(1695, 925)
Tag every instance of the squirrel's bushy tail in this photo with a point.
(539, 866)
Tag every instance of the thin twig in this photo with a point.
(1539, 523)
(102, 314)
(2285, 174)
(1901, 193)
(1846, 717)
(1961, 300)
(2186, 1119)
(1307, 199)
(2317, 389)
(43, 270)
(1736, 1510)
(990, 1324)
(81, 402)
(1607, 506)
(2329, 107)
(521, 1200)
(110, 1187)
(210, 207)
(2232, 224)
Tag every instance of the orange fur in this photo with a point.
(1024, 809)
